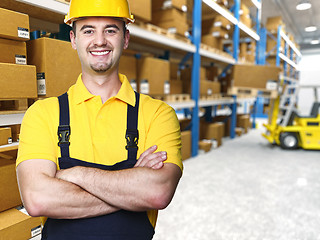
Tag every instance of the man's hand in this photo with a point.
(148, 159)
(151, 159)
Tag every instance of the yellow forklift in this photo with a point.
(285, 126)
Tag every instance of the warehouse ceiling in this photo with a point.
(295, 20)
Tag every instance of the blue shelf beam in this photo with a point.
(195, 93)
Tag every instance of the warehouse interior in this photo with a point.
(243, 79)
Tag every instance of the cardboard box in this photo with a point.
(211, 41)
(5, 135)
(211, 131)
(205, 145)
(17, 81)
(220, 21)
(9, 191)
(153, 75)
(16, 225)
(243, 121)
(172, 19)
(186, 144)
(212, 73)
(174, 27)
(253, 76)
(174, 70)
(175, 86)
(273, 23)
(165, 4)
(246, 20)
(214, 27)
(14, 25)
(128, 67)
(141, 9)
(12, 51)
(244, 10)
(58, 65)
(15, 130)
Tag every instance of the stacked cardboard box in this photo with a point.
(128, 67)
(175, 80)
(5, 136)
(171, 15)
(141, 9)
(153, 76)
(15, 223)
(57, 63)
(17, 80)
(243, 121)
(252, 76)
(247, 51)
(212, 131)
(215, 31)
(208, 86)
(245, 15)
(185, 144)
(273, 23)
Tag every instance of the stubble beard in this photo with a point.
(101, 67)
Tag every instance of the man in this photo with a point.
(77, 161)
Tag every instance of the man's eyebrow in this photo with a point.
(107, 26)
(86, 26)
(112, 26)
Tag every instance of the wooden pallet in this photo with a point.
(173, 97)
(243, 92)
(64, 1)
(272, 94)
(252, 92)
(211, 97)
(162, 31)
(214, 50)
(14, 104)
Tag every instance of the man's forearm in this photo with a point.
(45, 195)
(69, 201)
(135, 189)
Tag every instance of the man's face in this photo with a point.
(99, 42)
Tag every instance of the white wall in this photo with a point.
(309, 75)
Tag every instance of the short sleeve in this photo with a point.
(164, 131)
(38, 139)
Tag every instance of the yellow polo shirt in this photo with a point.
(98, 130)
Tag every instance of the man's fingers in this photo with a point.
(151, 159)
(149, 151)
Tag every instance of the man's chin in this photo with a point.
(100, 69)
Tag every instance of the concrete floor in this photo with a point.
(246, 190)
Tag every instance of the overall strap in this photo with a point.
(132, 133)
(64, 130)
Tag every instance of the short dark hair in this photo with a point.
(124, 27)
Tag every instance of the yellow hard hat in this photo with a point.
(98, 8)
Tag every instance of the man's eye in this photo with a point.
(111, 31)
(88, 31)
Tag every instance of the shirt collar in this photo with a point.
(125, 94)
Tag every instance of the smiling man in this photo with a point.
(100, 160)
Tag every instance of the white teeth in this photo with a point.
(100, 53)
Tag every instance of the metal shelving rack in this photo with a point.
(233, 18)
(284, 55)
(194, 49)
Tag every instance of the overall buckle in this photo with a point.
(64, 134)
(132, 137)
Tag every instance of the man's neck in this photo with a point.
(103, 85)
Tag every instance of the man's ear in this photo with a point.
(73, 40)
(126, 39)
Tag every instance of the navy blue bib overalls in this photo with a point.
(120, 225)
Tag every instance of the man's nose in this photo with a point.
(100, 39)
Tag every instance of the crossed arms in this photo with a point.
(81, 192)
